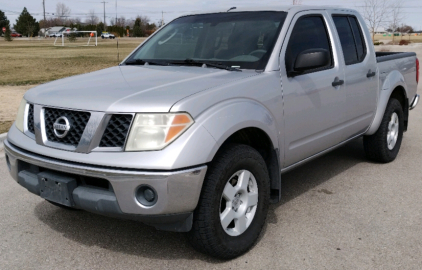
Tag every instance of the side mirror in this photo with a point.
(310, 59)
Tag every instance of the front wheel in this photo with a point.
(385, 144)
(234, 203)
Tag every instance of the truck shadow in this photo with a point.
(316, 172)
(135, 238)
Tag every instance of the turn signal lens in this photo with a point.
(179, 124)
(155, 131)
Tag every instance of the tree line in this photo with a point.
(387, 14)
(28, 26)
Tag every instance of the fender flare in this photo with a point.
(230, 116)
(394, 80)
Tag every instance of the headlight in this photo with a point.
(156, 131)
(21, 115)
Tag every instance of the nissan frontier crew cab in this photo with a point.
(194, 129)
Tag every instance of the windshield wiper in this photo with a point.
(146, 62)
(220, 66)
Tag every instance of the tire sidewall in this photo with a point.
(238, 163)
(394, 106)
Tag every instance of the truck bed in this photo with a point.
(387, 56)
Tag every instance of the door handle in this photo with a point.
(371, 74)
(337, 82)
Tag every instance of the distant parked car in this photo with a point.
(15, 34)
(107, 35)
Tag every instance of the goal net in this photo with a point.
(76, 39)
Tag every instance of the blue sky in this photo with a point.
(173, 8)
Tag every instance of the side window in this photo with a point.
(357, 33)
(351, 39)
(346, 38)
(309, 32)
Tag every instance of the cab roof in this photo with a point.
(285, 8)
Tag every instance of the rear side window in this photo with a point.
(309, 32)
(351, 39)
(357, 33)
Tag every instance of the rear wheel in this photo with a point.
(385, 144)
(233, 204)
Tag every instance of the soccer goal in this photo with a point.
(76, 39)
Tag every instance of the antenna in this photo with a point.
(231, 9)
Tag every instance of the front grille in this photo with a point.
(116, 131)
(30, 121)
(77, 120)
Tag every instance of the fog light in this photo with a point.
(149, 195)
(146, 195)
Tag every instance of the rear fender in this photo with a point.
(391, 82)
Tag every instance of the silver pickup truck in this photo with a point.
(193, 130)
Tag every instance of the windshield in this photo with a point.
(243, 40)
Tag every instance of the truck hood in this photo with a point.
(131, 88)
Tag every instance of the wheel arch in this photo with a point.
(394, 86)
(248, 122)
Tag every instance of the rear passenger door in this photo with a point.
(361, 83)
(312, 103)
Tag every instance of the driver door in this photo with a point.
(312, 105)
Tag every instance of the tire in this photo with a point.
(208, 236)
(377, 147)
(63, 206)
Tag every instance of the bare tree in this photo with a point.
(121, 21)
(396, 17)
(376, 14)
(77, 20)
(62, 11)
(144, 20)
(297, 2)
(92, 18)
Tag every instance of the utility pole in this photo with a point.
(116, 14)
(162, 18)
(104, 2)
(43, 4)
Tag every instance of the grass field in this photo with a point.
(5, 126)
(24, 61)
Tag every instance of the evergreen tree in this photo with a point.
(7, 35)
(26, 24)
(4, 22)
(137, 30)
(100, 28)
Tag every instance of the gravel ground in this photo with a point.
(338, 212)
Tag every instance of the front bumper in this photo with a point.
(178, 191)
